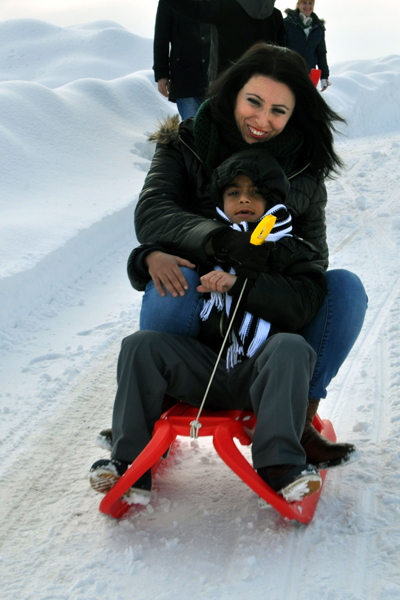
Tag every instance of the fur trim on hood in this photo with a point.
(257, 9)
(167, 132)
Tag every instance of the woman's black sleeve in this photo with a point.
(168, 212)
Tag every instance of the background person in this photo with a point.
(181, 56)
(265, 98)
(237, 25)
(305, 33)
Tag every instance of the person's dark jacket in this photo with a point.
(237, 30)
(288, 296)
(175, 214)
(311, 48)
(181, 53)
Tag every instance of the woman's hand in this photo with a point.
(164, 271)
(216, 281)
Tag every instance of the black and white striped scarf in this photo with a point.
(245, 338)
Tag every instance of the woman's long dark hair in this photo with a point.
(312, 115)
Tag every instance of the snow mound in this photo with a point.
(33, 50)
(367, 93)
(74, 157)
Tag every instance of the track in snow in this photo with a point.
(204, 535)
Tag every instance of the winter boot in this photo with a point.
(293, 482)
(105, 473)
(321, 452)
(104, 439)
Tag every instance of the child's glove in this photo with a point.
(233, 248)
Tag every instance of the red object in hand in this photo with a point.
(315, 76)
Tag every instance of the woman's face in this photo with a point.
(263, 108)
(306, 7)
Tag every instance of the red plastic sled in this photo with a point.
(224, 426)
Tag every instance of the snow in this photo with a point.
(76, 106)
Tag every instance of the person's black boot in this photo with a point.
(321, 452)
(104, 474)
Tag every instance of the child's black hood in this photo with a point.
(263, 170)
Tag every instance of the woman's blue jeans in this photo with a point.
(331, 333)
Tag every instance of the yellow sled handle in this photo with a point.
(262, 230)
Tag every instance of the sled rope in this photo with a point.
(195, 425)
(258, 237)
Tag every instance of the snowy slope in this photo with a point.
(74, 117)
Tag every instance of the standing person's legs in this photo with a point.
(188, 107)
(178, 316)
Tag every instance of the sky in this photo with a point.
(355, 30)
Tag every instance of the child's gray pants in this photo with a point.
(274, 383)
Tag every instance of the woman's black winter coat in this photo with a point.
(311, 48)
(175, 214)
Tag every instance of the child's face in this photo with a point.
(243, 200)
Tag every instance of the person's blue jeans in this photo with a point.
(179, 316)
(335, 328)
(188, 107)
(331, 333)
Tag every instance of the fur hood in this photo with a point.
(167, 132)
(293, 17)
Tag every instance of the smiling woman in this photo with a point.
(263, 117)
(265, 102)
(263, 108)
(266, 98)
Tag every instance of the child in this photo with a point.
(269, 367)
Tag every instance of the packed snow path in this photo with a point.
(203, 533)
(203, 536)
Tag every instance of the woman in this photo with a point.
(305, 33)
(265, 98)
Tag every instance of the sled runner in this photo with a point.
(224, 426)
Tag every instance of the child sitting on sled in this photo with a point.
(266, 367)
